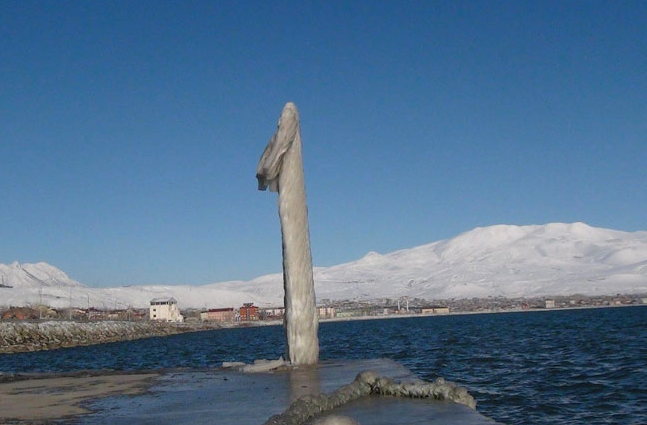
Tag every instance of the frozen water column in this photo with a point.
(281, 168)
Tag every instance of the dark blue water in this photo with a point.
(568, 367)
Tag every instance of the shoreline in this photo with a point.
(467, 313)
(42, 399)
(27, 336)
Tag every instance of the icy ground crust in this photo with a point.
(227, 396)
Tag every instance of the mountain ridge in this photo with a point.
(500, 260)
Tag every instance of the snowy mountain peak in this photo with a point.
(371, 257)
(502, 260)
(35, 275)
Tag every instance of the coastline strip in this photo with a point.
(51, 398)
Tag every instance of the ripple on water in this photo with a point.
(567, 367)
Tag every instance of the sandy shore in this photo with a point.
(39, 400)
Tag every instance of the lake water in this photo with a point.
(567, 366)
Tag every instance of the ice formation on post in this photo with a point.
(281, 169)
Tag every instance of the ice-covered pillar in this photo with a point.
(281, 168)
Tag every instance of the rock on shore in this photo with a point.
(16, 337)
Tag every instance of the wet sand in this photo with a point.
(39, 400)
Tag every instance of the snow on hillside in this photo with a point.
(34, 275)
(502, 260)
(41, 283)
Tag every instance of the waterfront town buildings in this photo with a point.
(328, 309)
(248, 312)
(222, 315)
(165, 310)
(434, 309)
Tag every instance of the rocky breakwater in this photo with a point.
(16, 337)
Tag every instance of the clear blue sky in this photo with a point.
(130, 131)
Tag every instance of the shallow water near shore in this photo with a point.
(569, 367)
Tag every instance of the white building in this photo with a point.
(165, 309)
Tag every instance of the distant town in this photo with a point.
(166, 309)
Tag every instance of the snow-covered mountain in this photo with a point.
(41, 283)
(34, 276)
(502, 260)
